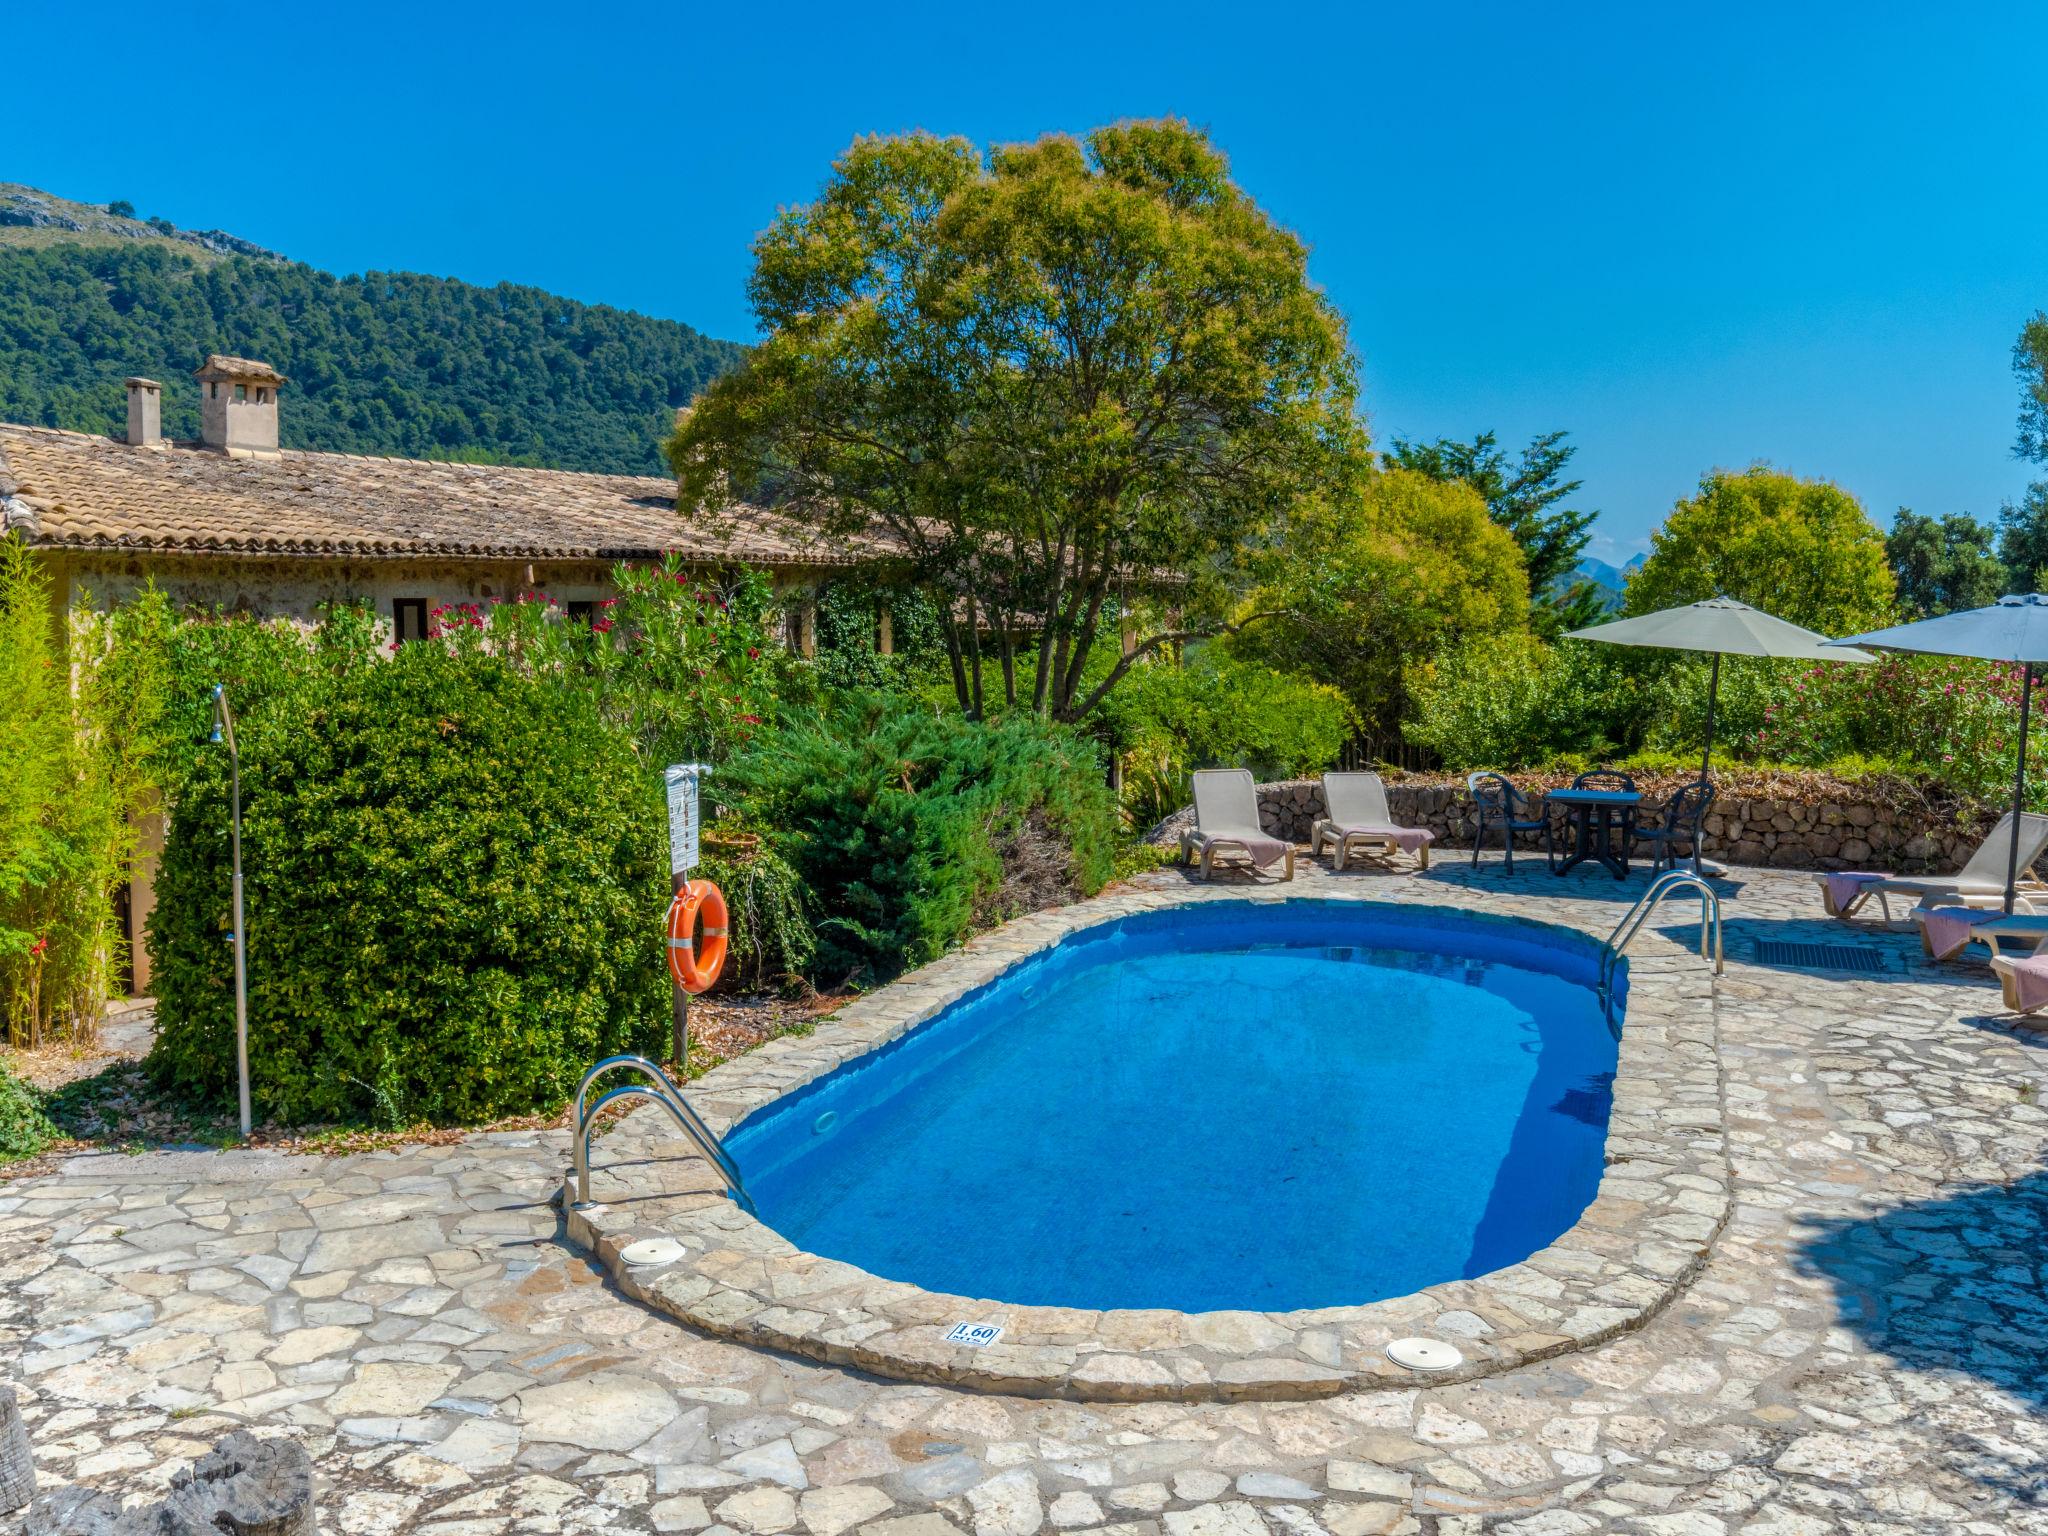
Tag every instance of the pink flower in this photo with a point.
(602, 626)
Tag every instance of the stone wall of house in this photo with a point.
(296, 589)
(1781, 820)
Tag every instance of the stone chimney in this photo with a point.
(238, 405)
(145, 413)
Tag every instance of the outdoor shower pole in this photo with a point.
(2019, 789)
(224, 731)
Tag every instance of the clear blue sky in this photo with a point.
(1693, 236)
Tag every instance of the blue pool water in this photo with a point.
(1234, 1105)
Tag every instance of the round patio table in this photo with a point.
(1592, 813)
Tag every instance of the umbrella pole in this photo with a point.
(2019, 790)
(1713, 691)
(1706, 758)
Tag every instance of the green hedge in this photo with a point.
(455, 876)
(24, 1128)
(912, 829)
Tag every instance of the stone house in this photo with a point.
(234, 522)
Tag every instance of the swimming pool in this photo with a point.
(1237, 1105)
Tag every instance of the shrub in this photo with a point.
(1215, 710)
(64, 829)
(770, 936)
(24, 1129)
(454, 880)
(912, 828)
(680, 661)
(1953, 717)
(1509, 700)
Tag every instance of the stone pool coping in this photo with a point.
(1662, 1201)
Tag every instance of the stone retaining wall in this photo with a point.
(1786, 821)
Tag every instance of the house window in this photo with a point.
(241, 392)
(800, 627)
(263, 396)
(582, 610)
(408, 619)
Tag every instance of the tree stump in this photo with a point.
(17, 1462)
(242, 1487)
(245, 1487)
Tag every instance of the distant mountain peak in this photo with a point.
(1610, 579)
(29, 215)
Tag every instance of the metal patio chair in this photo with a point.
(1496, 802)
(1684, 821)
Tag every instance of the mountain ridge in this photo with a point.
(30, 216)
(393, 363)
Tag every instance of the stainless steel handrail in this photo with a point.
(670, 1097)
(700, 1133)
(1632, 923)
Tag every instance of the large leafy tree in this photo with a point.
(1064, 377)
(2023, 539)
(1523, 496)
(1801, 549)
(2030, 365)
(2023, 529)
(1372, 581)
(1943, 565)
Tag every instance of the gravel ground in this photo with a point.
(107, 1102)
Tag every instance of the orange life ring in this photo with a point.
(696, 969)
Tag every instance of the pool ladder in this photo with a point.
(1630, 925)
(669, 1097)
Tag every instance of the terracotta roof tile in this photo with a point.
(77, 491)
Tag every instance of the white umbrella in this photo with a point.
(1722, 627)
(2012, 630)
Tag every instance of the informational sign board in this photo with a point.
(974, 1335)
(683, 780)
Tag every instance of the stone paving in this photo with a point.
(1861, 1352)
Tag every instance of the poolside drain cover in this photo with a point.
(653, 1250)
(1424, 1354)
(1819, 957)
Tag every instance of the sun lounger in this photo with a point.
(1946, 932)
(1979, 883)
(2024, 982)
(1227, 822)
(1358, 820)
